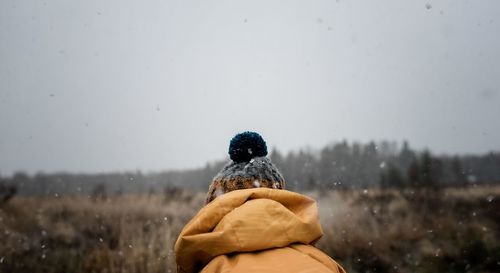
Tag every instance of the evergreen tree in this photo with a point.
(413, 173)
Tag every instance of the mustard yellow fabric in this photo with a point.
(254, 230)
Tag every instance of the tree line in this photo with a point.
(386, 164)
(341, 166)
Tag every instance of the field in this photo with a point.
(455, 230)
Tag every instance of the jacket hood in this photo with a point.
(245, 221)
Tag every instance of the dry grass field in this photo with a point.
(366, 231)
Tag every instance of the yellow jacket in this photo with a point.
(254, 230)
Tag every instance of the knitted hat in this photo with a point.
(250, 168)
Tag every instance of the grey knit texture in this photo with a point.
(259, 168)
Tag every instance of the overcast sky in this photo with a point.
(95, 86)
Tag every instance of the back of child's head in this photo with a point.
(249, 168)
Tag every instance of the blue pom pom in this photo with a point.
(245, 146)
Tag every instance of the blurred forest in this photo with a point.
(337, 166)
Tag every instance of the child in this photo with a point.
(250, 223)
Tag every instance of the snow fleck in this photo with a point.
(130, 246)
(252, 160)
(474, 214)
(256, 183)
(42, 246)
(101, 240)
(382, 165)
(490, 198)
(250, 151)
(219, 192)
(43, 256)
(44, 233)
(165, 218)
(370, 243)
(471, 178)
(365, 191)
(1, 260)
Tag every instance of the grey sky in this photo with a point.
(153, 85)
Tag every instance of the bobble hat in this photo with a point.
(249, 167)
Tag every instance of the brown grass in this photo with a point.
(366, 231)
(457, 231)
(132, 233)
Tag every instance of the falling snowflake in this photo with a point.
(256, 183)
(219, 192)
